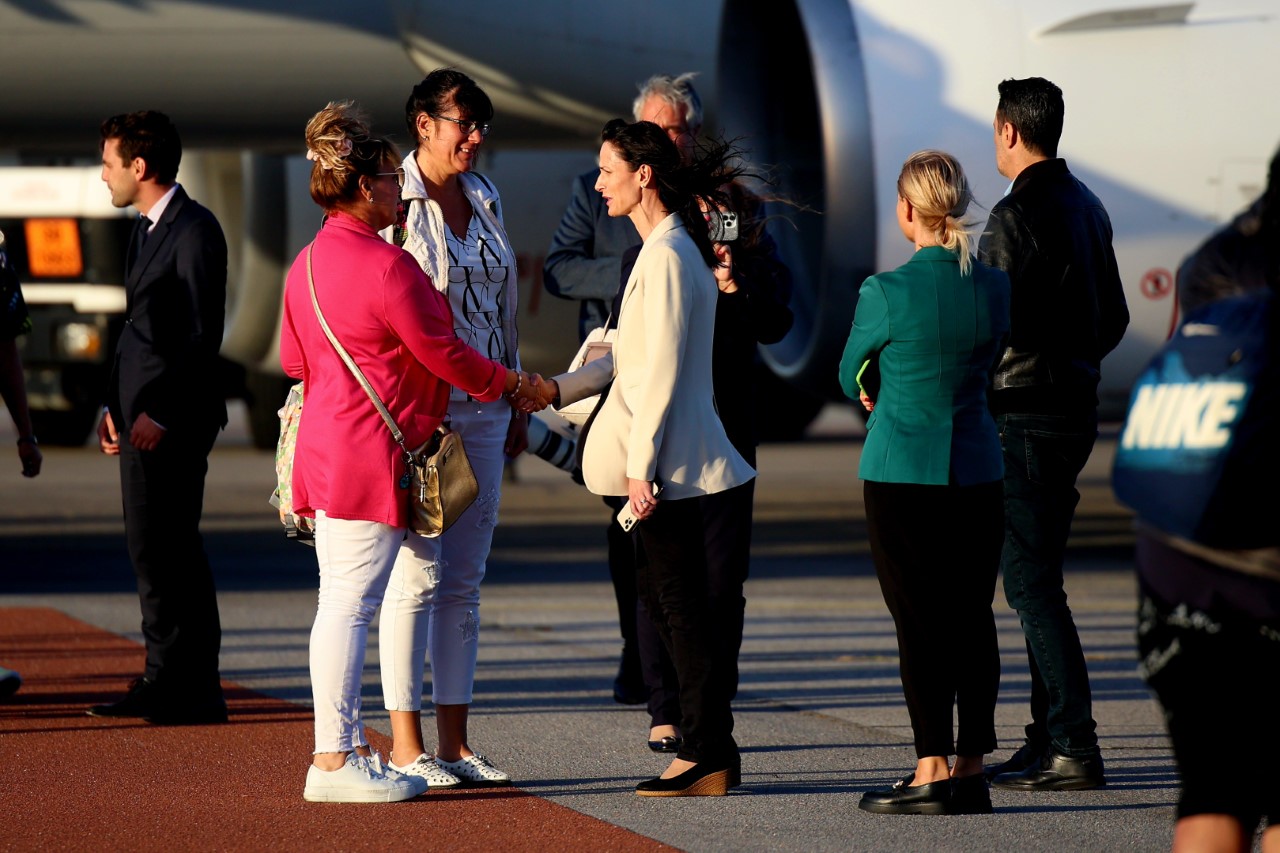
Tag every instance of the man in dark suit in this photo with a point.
(165, 407)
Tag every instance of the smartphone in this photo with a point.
(626, 518)
(723, 225)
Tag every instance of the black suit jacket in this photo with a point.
(166, 360)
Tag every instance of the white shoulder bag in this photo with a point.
(599, 343)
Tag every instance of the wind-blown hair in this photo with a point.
(342, 148)
(676, 91)
(683, 188)
(936, 186)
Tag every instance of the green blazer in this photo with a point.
(938, 335)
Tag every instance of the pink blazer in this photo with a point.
(399, 330)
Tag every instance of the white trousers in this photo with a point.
(433, 597)
(355, 561)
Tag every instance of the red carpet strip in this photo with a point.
(73, 782)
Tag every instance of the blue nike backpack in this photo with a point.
(1197, 456)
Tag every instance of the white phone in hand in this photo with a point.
(626, 517)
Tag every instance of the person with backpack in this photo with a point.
(1197, 462)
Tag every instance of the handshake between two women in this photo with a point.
(530, 392)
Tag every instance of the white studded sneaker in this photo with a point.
(358, 781)
(426, 771)
(392, 772)
(474, 770)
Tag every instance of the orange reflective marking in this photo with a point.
(53, 248)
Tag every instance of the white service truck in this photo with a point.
(67, 243)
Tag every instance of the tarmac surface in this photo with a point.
(819, 714)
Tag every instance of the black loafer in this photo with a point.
(1026, 756)
(704, 779)
(903, 798)
(970, 795)
(1056, 772)
(666, 744)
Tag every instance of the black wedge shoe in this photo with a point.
(703, 779)
(932, 798)
(666, 744)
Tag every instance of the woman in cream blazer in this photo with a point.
(659, 416)
(656, 437)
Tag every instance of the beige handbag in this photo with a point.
(438, 476)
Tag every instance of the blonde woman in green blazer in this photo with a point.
(932, 470)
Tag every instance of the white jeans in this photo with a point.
(355, 561)
(433, 597)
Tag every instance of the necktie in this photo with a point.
(140, 231)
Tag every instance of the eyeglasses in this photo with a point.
(399, 173)
(468, 127)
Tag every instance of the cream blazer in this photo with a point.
(659, 420)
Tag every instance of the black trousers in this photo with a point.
(726, 531)
(673, 576)
(622, 572)
(163, 493)
(937, 554)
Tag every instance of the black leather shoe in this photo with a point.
(902, 798)
(140, 701)
(704, 779)
(970, 795)
(666, 744)
(1056, 772)
(1027, 756)
(628, 686)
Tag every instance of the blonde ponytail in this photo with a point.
(935, 185)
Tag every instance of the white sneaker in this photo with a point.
(392, 772)
(358, 781)
(426, 771)
(474, 770)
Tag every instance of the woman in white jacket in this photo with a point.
(454, 229)
(658, 427)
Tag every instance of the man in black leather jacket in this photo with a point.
(1053, 237)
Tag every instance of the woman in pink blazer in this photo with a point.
(347, 467)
